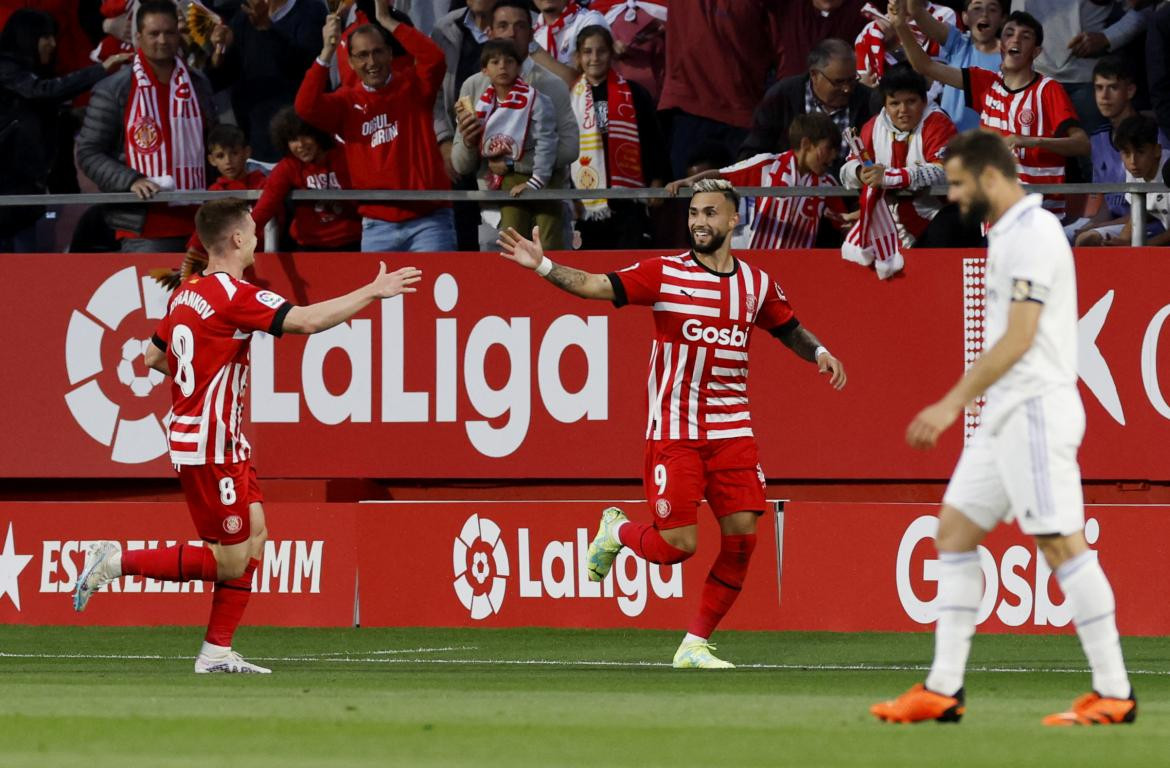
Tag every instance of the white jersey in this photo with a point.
(1029, 259)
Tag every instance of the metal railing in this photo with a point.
(500, 197)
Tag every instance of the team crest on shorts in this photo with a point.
(233, 524)
(662, 508)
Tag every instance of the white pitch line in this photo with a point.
(341, 658)
(393, 651)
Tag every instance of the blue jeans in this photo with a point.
(426, 234)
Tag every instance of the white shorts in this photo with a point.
(1025, 469)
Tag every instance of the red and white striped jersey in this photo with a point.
(207, 335)
(781, 222)
(698, 382)
(1041, 108)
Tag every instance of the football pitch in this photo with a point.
(480, 697)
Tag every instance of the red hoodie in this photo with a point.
(321, 224)
(389, 131)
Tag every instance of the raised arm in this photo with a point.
(315, 106)
(530, 255)
(673, 187)
(919, 59)
(323, 315)
(930, 26)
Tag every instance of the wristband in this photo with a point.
(817, 353)
(546, 265)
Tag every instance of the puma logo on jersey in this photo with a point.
(694, 330)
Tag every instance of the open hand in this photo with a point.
(388, 285)
(517, 248)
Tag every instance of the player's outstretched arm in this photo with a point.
(323, 315)
(530, 255)
(919, 59)
(933, 420)
(801, 341)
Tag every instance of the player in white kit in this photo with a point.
(1021, 463)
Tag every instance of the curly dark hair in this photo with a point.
(287, 125)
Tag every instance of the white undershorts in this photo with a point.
(1024, 467)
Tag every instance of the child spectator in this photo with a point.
(1143, 156)
(312, 161)
(977, 47)
(1114, 89)
(228, 152)
(519, 145)
(786, 222)
(899, 149)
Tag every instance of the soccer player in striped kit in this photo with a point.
(699, 439)
(204, 344)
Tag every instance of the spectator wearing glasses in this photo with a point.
(830, 87)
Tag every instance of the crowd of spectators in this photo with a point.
(520, 95)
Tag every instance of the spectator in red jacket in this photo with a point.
(312, 161)
(387, 124)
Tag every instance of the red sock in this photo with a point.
(724, 582)
(227, 606)
(181, 563)
(648, 544)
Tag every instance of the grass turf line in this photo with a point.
(330, 707)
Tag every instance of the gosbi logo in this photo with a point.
(109, 381)
(694, 330)
(481, 567)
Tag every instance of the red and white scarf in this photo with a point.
(158, 147)
(550, 30)
(874, 53)
(617, 163)
(873, 240)
(505, 122)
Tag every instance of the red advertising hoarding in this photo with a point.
(307, 576)
(489, 372)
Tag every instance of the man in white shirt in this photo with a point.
(1021, 463)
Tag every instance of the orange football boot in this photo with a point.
(1094, 709)
(918, 704)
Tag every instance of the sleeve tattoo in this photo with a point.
(801, 341)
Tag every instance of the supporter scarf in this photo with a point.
(551, 30)
(874, 238)
(505, 123)
(872, 51)
(172, 148)
(628, 9)
(620, 165)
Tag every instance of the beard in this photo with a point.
(977, 211)
(715, 244)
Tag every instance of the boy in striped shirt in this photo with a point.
(1032, 112)
(785, 222)
(699, 438)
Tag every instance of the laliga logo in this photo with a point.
(481, 567)
(133, 440)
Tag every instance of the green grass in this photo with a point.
(462, 706)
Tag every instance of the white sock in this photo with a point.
(960, 588)
(210, 649)
(693, 639)
(1087, 590)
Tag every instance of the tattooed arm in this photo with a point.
(802, 341)
(529, 253)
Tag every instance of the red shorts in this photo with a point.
(218, 496)
(680, 473)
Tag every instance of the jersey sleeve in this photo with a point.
(746, 173)
(638, 283)
(1032, 272)
(1059, 112)
(976, 82)
(936, 132)
(775, 311)
(254, 309)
